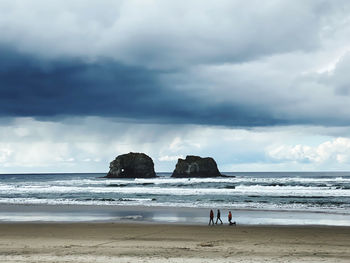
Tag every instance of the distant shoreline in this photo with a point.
(169, 173)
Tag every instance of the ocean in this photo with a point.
(323, 195)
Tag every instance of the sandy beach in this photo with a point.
(118, 242)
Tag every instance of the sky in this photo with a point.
(257, 85)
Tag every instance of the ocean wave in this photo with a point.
(166, 181)
(320, 207)
(238, 190)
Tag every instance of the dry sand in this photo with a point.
(108, 242)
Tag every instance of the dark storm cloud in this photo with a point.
(234, 63)
(30, 86)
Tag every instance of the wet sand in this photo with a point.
(160, 215)
(142, 242)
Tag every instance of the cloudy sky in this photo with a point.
(258, 85)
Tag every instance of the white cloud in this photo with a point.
(164, 33)
(5, 153)
(167, 158)
(334, 151)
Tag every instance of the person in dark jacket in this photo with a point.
(211, 217)
(218, 217)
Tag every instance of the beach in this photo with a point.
(84, 218)
(148, 242)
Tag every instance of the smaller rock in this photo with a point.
(195, 166)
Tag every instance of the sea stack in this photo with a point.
(132, 165)
(195, 166)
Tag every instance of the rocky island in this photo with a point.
(132, 165)
(195, 166)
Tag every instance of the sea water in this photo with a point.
(250, 193)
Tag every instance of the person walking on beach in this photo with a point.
(218, 217)
(211, 216)
(230, 219)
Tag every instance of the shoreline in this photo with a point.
(165, 207)
(163, 215)
(125, 242)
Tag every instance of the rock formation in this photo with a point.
(195, 166)
(132, 165)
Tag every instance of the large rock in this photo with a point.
(132, 165)
(195, 166)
